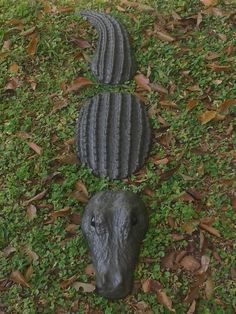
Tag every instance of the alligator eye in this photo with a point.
(134, 220)
(93, 221)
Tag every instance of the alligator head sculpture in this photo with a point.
(114, 225)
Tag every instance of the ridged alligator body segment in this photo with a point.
(113, 62)
(113, 135)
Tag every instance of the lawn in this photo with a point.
(185, 53)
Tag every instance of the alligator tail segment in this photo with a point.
(113, 135)
(113, 62)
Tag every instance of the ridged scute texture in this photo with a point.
(113, 62)
(113, 135)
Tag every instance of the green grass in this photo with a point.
(202, 152)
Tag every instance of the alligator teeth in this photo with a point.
(113, 135)
(113, 62)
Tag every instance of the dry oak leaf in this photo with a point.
(224, 106)
(89, 270)
(14, 68)
(31, 212)
(192, 308)
(163, 299)
(37, 197)
(192, 103)
(142, 81)
(75, 218)
(32, 47)
(150, 285)
(8, 251)
(209, 3)
(168, 103)
(28, 31)
(17, 277)
(207, 116)
(164, 36)
(67, 282)
(78, 84)
(29, 272)
(219, 68)
(209, 288)
(189, 263)
(210, 230)
(35, 147)
(60, 213)
(12, 84)
(31, 254)
(86, 287)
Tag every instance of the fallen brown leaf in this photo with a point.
(79, 196)
(199, 19)
(189, 263)
(219, 68)
(142, 81)
(35, 147)
(207, 116)
(28, 31)
(209, 2)
(163, 299)
(17, 277)
(168, 103)
(151, 285)
(192, 308)
(75, 218)
(157, 161)
(78, 84)
(80, 42)
(192, 103)
(60, 213)
(14, 68)
(224, 106)
(31, 254)
(32, 47)
(58, 104)
(36, 197)
(89, 270)
(209, 288)
(80, 187)
(86, 287)
(12, 84)
(6, 45)
(194, 88)
(164, 36)
(8, 251)
(168, 260)
(31, 212)
(71, 228)
(158, 88)
(210, 230)
(67, 282)
(186, 197)
(205, 261)
(211, 55)
(29, 272)
(3, 54)
(137, 5)
(70, 158)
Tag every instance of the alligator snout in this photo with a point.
(113, 284)
(114, 225)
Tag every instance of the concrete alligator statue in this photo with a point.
(113, 62)
(114, 224)
(113, 135)
(113, 139)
